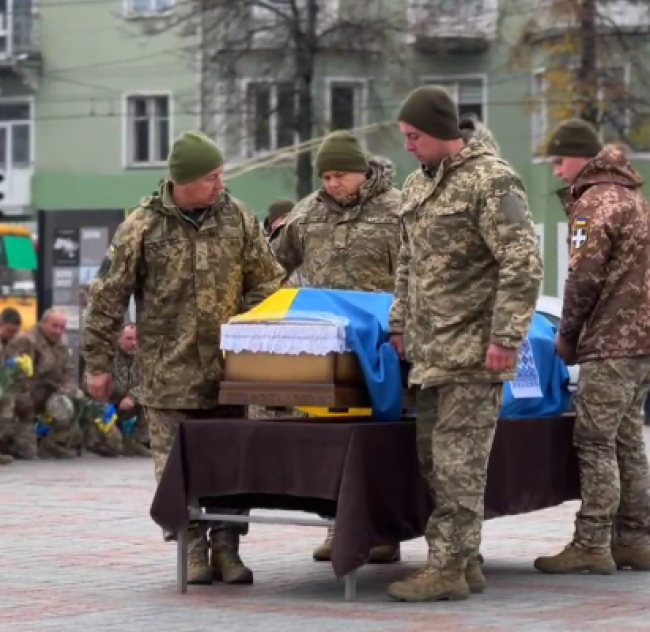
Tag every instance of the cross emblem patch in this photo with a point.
(579, 237)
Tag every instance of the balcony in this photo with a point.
(455, 26)
(20, 44)
(623, 16)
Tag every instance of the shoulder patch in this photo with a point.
(579, 233)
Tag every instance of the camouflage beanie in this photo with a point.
(341, 151)
(431, 110)
(279, 209)
(574, 138)
(193, 156)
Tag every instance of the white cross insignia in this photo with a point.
(579, 237)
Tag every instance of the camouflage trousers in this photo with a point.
(163, 424)
(608, 436)
(455, 429)
(103, 442)
(7, 423)
(263, 412)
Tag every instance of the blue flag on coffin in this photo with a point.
(327, 321)
(541, 388)
(367, 336)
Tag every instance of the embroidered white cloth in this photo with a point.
(287, 337)
(526, 384)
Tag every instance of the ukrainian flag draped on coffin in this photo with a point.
(360, 319)
(345, 321)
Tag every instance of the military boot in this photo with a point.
(48, 448)
(226, 563)
(574, 559)
(474, 577)
(323, 552)
(385, 554)
(130, 447)
(635, 556)
(6, 459)
(198, 559)
(431, 584)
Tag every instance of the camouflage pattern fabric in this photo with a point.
(295, 279)
(53, 374)
(126, 379)
(15, 385)
(345, 247)
(469, 266)
(606, 310)
(163, 425)
(608, 437)
(187, 280)
(455, 429)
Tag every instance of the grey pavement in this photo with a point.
(78, 552)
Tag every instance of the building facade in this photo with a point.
(93, 93)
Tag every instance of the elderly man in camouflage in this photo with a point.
(605, 328)
(467, 281)
(124, 396)
(193, 257)
(53, 389)
(345, 237)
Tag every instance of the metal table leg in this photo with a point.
(181, 561)
(351, 586)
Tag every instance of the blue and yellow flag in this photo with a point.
(364, 317)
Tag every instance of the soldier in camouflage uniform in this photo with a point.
(53, 382)
(605, 327)
(467, 282)
(124, 396)
(345, 236)
(193, 257)
(10, 323)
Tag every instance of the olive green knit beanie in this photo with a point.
(341, 151)
(192, 157)
(574, 138)
(431, 110)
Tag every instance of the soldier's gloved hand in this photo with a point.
(100, 386)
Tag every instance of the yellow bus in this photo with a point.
(18, 264)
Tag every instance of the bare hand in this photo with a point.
(397, 341)
(501, 358)
(100, 386)
(566, 350)
(127, 404)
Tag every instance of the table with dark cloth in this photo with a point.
(364, 473)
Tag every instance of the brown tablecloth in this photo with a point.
(364, 473)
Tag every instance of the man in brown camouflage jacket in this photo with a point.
(468, 277)
(345, 236)
(53, 386)
(125, 394)
(605, 327)
(192, 257)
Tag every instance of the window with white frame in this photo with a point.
(615, 113)
(143, 8)
(271, 109)
(148, 129)
(345, 103)
(16, 132)
(467, 92)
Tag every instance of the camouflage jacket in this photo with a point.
(345, 248)
(125, 376)
(53, 366)
(469, 266)
(295, 279)
(187, 280)
(606, 310)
